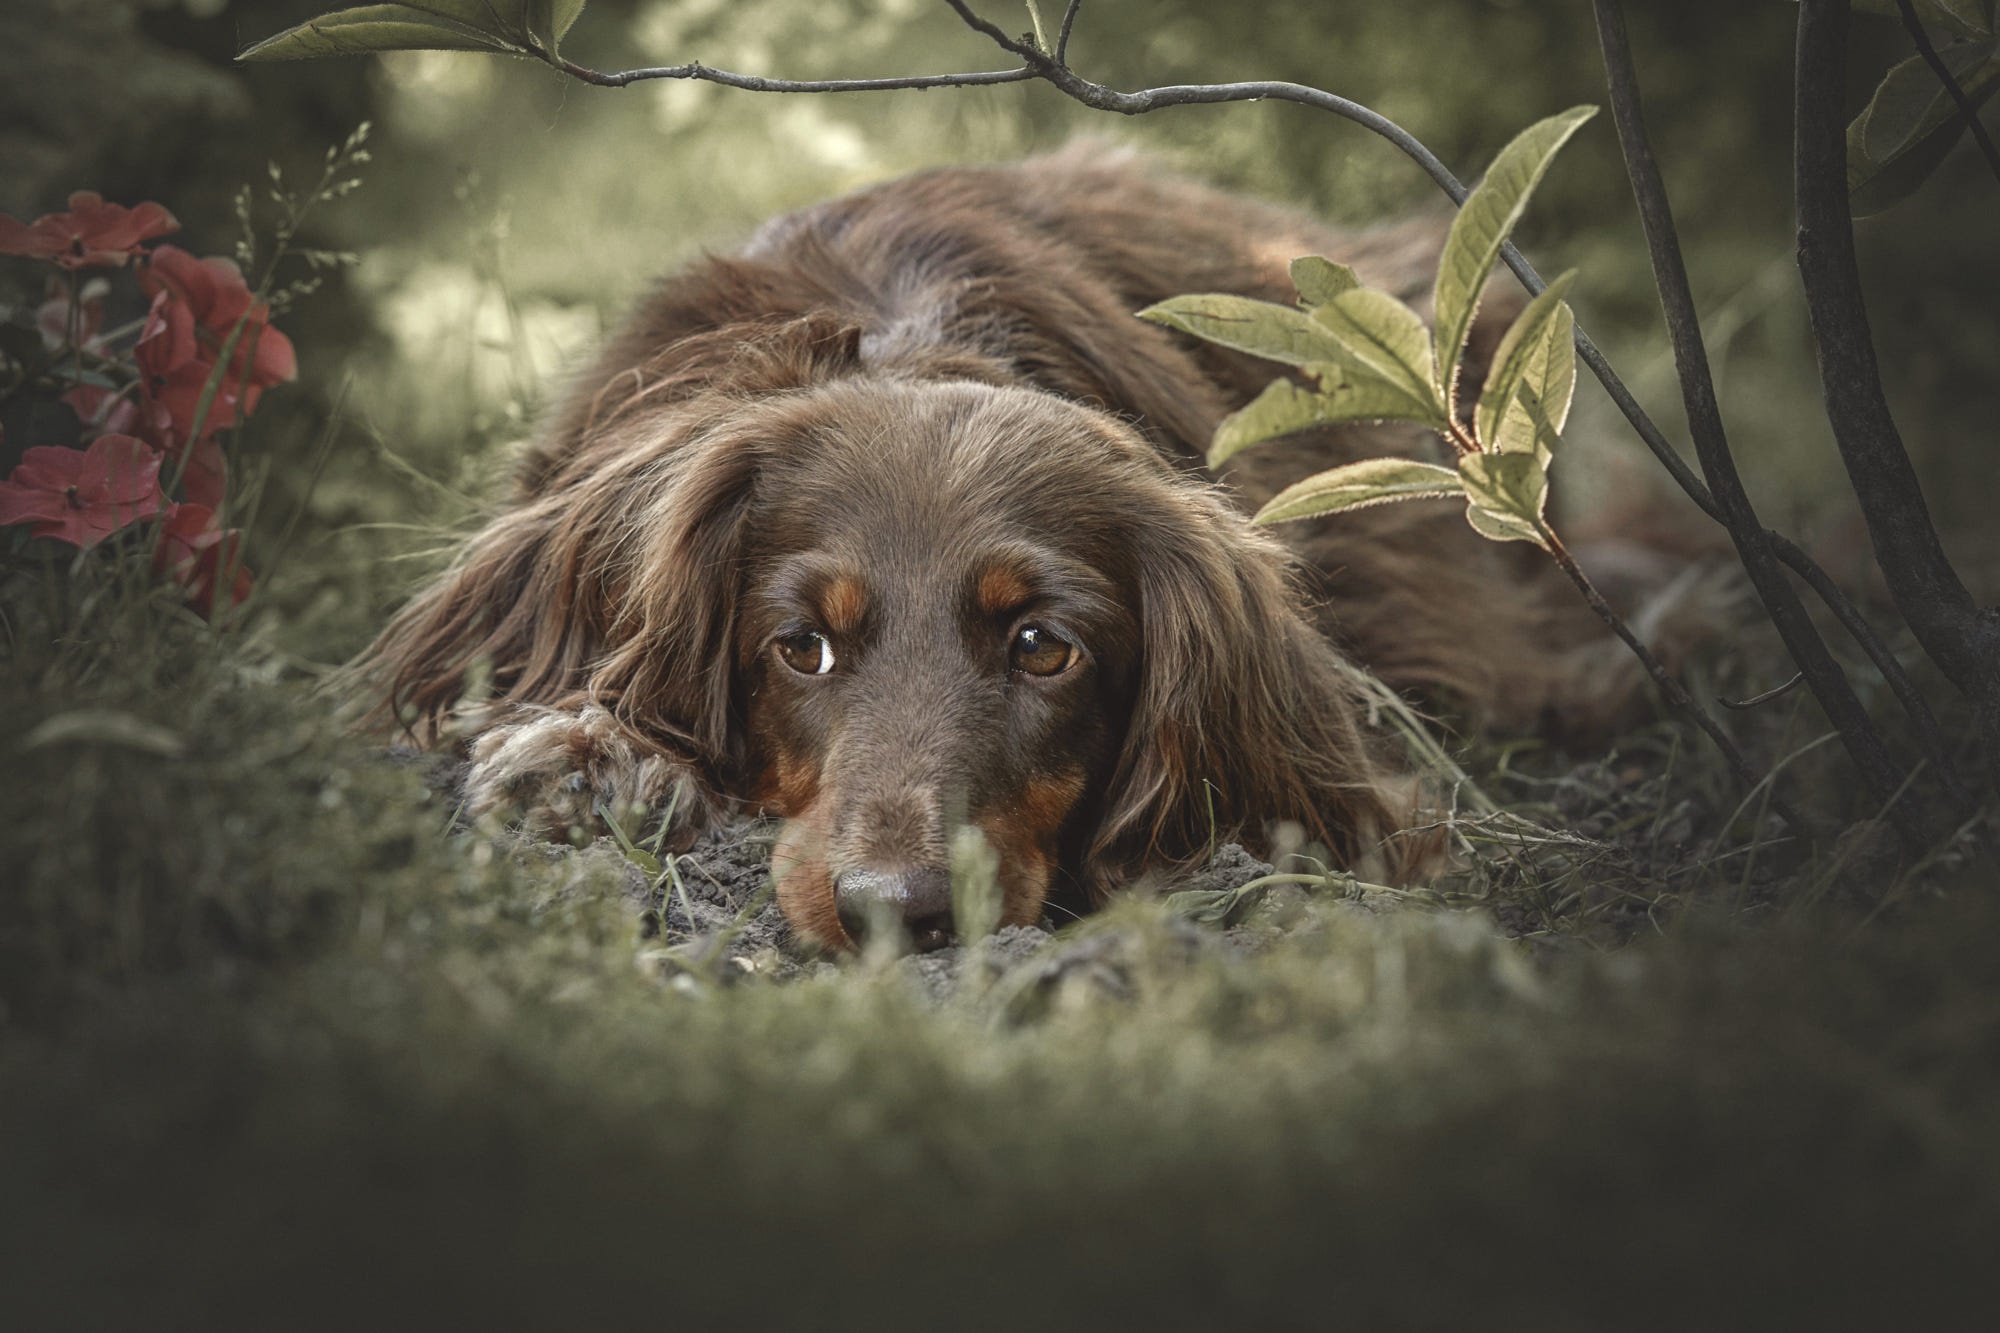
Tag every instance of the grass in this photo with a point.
(281, 1050)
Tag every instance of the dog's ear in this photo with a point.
(1244, 715)
(669, 670)
(617, 589)
(514, 618)
(612, 579)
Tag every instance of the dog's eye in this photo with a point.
(1039, 652)
(808, 652)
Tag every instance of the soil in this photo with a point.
(714, 919)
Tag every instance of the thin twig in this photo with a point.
(1929, 736)
(1062, 37)
(1675, 692)
(1809, 652)
(1775, 692)
(757, 84)
(1936, 62)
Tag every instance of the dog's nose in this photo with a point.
(919, 899)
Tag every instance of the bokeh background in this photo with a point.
(277, 1050)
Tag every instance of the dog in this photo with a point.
(894, 523)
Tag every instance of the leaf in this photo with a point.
(1211, 907)
(1320, 280)
(1508, 492)
(1385, 340)
(1501, 527)
(422, 25)
(105, 726)
(1912, 123)
(1482, 226)
(1285, 407)
(551, 20)
(1372, 481)
(1261, 328)
(1537, 353)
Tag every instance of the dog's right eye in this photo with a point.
(808, 652)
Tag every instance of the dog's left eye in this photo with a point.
(809, 653)
(1039, 652)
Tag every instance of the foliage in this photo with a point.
(1372, 359)
(1912, 122)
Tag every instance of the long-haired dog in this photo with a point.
(894, 522)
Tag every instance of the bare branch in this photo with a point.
(1936, 62)
(758, 84)
(1775, 692)
(1898, 680)
(1962, 639)
(1823, 674)
(1062, 37)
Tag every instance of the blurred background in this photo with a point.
(510, 216)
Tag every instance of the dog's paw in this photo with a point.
(564, 774)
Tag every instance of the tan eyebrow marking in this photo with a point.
(1001, 589)
(843, 603)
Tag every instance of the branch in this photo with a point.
(1936, 62)
(1062, 38)
(1963, 640)
(1823, 675)
(758, 84)
(1898, 680)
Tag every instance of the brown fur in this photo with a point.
(917, 419)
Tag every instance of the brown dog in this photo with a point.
(893, 522)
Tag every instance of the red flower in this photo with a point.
(196, 305)
(197, 555)
(93, 234)
(82, 496)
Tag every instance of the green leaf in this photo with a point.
(1482, 226)
(1372, 481)
(1912, 123)
(1285, 407)
(1320, 280)
(551, 20)
(1385, 340)
(506, 26)
(1261, 328)
(1508, 492)
(1536, 355)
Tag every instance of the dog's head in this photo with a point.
(884, 609)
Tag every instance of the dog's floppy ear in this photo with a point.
(613, 580)
(1244, 715)
(617, 588)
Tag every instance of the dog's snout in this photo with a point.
(918, 899)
